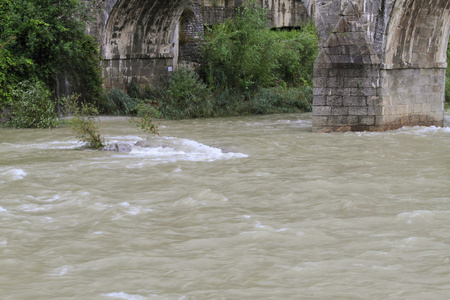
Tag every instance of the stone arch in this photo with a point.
(417, 34)
(140, 40)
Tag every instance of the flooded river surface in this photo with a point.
(236, 208)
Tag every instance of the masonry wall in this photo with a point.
(380, 69)
(412, 97)
(191, 34)
(347, 100)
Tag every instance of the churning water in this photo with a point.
(238, 208)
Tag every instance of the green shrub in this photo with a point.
(185, 96)
(84, 123)
(282, 100)
(146, 113)
(298, 51)
(116, 102)
(243, 54)
(45, 40)
(31, 106)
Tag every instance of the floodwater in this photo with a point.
(236, 208)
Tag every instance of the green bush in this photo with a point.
(243, 54)
(45, 40)
(298, 51)
(240, 53)
(146, 113)
(84, 122)
(282, 100)
(185, 96)
(116, 102)
(31, 106)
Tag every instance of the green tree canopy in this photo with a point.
(43, 39)
(243, 53)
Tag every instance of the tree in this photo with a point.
(46, 39)
(244, 54)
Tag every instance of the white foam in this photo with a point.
(35, 207)
(423, 130)
(178, 149)
(295, 123)
(416, 213)
(123, 295)
(12, 174)
(416, 216)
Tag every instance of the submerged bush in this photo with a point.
(84, 122)
(31, 106)
(145, 116)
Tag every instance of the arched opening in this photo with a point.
(414, 66)
(140, 41)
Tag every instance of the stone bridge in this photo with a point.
(381, 66)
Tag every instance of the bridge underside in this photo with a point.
(365, 82)
(139, 40)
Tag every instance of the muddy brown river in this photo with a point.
(233, 208)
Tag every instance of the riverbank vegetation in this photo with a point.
(43, 44)
(246, 69)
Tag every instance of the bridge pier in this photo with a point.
(368, 78)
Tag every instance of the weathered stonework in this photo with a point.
(381, 65)
(281, 13)
(191, 34)
(139, 40)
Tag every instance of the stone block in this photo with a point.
(367, 120)
(320, 82)
(358, 111)
(321, 110)
(318, 91)
(353, 101)
(339, 111)
(334, 82)
(319, 100)
(334, 100)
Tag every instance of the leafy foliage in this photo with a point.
(243, 54)
(84, 122)
(186, 96)
(239, 53)
(248, 69)
(43, 40)
(146, 113)
(31, 106)
(117, 102)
